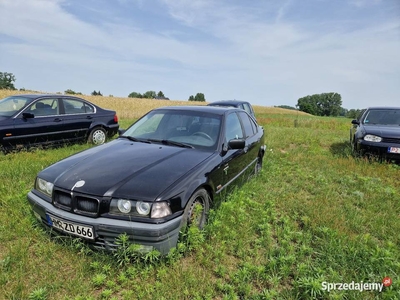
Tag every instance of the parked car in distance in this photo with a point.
(148, 182)
(29, 120)
(377, 132)
(236, 103)
(161, 98)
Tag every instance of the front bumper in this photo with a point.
(381, 149)
(162, 237)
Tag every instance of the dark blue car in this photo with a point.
(29, 120)
(377, 133)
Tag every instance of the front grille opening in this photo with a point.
(391, 140)
(88, 206)
(63, 200)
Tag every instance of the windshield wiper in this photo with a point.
(183, 145)
(172, 143)
(133, 139)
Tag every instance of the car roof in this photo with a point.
(383, 107)
(34, 96)
(200, 108)
(228, 102)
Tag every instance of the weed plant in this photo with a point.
(314, 214)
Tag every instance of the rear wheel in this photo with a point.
(97, 136)
(258, 167)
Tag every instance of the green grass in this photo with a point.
(314, 214)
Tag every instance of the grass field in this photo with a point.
(315, 215)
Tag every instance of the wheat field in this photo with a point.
(133, 108)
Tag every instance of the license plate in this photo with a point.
(394, 150)
(71, 228)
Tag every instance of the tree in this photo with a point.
(326, 104)
(353, 113)
(149, 94)
(160, 94)
(94, 93)
(135, 95)
(70, 92)
(6, 81)
(286, 107)
(199, 97)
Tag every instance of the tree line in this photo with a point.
(325, 104)
(160, 95)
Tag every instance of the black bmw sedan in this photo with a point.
(377, 132)
(148, 182)
(29, 120)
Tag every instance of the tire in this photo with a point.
(97, 136)
(199, 198)
(258, 167)
(356, 153)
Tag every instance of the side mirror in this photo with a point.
(355, 122)
(27, 115)
(237, 144)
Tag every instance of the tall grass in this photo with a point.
(315, 214)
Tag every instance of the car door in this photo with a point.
(355, 128)
(252, 140)
(78, 117)
(233, 160)
(40, 123)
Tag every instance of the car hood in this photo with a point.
(124, 169)
(2, 118)
(388, 131)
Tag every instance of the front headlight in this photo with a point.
(124, 206)
(44, 186)
(143, 208)
(130, 207)
(372, 138)
(160, 210)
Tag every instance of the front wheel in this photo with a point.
(196, 210)
(356, 153)
(97, 136)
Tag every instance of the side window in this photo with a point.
(361, 114)
(254, 125)
(248, 128)
(88, 108)
(247, 108)
(233, 128)
(44, 107)
(74, 106)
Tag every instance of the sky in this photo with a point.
(268, 52)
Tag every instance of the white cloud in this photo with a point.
(221, 48)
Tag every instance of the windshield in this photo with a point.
(10, 105)
(174, 127)
(382, 117)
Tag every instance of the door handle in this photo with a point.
(89, 117)
(226, 167)
(57, 120)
